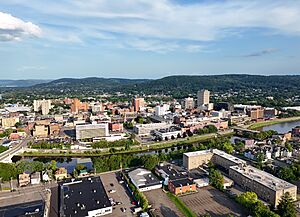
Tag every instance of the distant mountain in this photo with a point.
(91, 82)
(222, 82)
(177, 86)
(22, 83)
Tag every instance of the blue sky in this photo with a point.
(147, 39)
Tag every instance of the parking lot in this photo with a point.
(211, 201)
(163, 206)
(120, 194)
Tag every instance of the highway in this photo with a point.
(12, 151)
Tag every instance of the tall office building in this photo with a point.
(203, 97)
(42, 105)
(189, 103)
(138, 103)
(78, 106)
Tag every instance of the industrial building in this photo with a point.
(90, 131)
(144, 180)
(83, 197)
(265, 185)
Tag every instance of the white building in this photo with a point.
(203, 97)
(90, 131)
(189, 103)
(42, 105)
(144, 180)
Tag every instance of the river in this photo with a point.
(282, 127)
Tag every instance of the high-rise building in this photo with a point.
(78, 106)
(189, 103)
(42, 105)
(138, 103)
(203, 97)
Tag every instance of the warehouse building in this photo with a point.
(84, 197)
(144, 180)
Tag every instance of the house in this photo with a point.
(24, 179)
(181, 186)
(35, 178)
(61, 173)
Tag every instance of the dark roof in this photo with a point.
(182, 182)
(173, 173)
(33, 209)
(78, 196)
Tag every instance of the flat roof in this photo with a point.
(262, 177)
(143, 178)
(229, 157)
(172, 172)
(79, 196)
(35, 208)
(196, 153)
(182, 182)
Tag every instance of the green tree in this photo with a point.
(216, 179)
(80, 167)
(247, 199)
(227, 147)
(52, 165)
(287, 174)
(286, 207)
(150, 161)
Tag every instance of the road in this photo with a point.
(12, 151)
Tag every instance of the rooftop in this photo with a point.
(172, 172)
(78, 196)
(262, 177)
(182, 182)
(228, 156)
(142, 177)
(196, 153)
(33, 209)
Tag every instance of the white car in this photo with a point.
(112, 191)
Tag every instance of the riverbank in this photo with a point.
(272, 122)
(121, 150)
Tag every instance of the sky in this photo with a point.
(53, 39)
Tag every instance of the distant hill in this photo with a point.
(177, 86)
(91, 82)
(22, 83)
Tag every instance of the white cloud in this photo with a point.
(12, 28)
(159, 20)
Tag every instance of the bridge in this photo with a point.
(240, 129)
(5, 157)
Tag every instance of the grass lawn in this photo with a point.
(181, 205)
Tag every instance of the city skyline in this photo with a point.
(148, 39)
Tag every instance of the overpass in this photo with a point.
(5, 157)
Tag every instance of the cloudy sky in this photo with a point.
(147, 38)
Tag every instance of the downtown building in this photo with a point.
(90, 131)
(42, 105)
